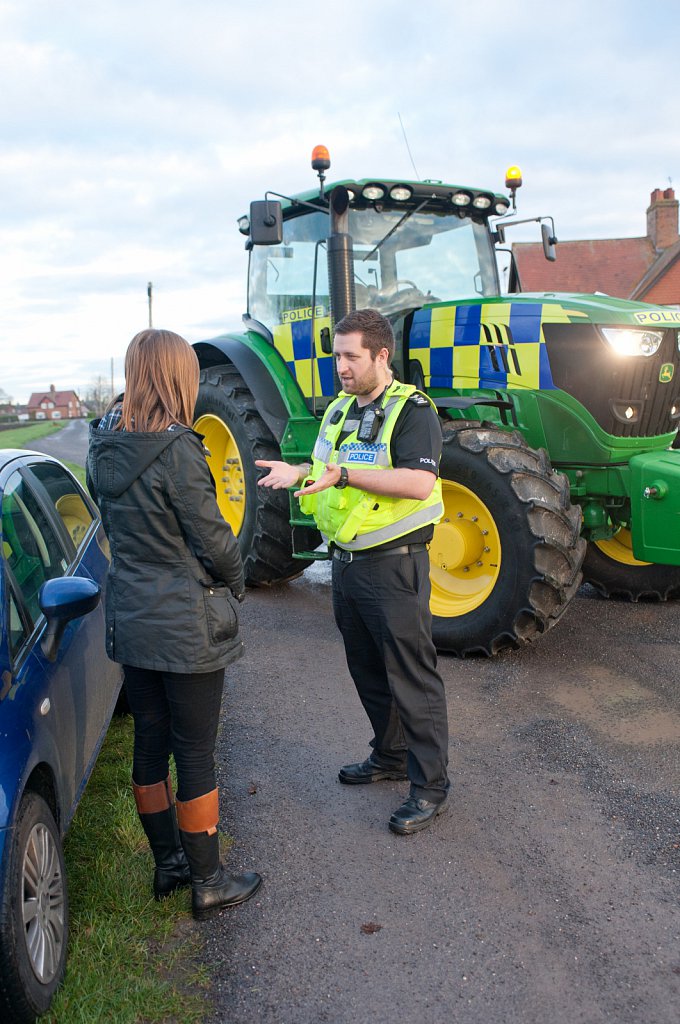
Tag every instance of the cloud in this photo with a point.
(135, 133)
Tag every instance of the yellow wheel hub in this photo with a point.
(465, 554)
(226, 467)
(620, 548)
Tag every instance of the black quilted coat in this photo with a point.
(175, 563)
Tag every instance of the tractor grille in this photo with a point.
(626, 395)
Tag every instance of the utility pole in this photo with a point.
(149, 291)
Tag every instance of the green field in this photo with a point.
(21, 437)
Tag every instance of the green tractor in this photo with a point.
(558, 411)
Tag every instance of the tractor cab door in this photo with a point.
(288, 292)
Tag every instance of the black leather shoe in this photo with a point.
(415, 814)
(369, 771)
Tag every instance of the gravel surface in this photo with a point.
(548, 892)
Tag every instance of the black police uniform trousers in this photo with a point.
(382, 608)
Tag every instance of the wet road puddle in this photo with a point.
(619, 707)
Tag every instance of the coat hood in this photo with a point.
(117, 458)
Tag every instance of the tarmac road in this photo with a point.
(549, 892)
(68, 444)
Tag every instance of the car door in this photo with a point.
(50, 529)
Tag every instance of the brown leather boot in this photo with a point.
(156, 809)
(212, 887)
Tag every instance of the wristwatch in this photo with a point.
(344, 480)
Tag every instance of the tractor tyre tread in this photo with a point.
(518, 610)
(266, 536)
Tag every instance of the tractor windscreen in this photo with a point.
(402, 260)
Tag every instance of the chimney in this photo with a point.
(662, 218)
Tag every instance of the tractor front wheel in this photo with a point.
(235, 435)
(506, 558)
(611, 567)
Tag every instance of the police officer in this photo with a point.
(373, 489)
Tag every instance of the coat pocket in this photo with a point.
(220, 614)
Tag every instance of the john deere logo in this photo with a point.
(666, 373)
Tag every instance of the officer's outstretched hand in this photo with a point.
(281, 474)
(328, 478)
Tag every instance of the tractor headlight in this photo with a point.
(630, 342)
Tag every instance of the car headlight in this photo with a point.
(627, 341)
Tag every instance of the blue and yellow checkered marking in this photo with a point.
(294, 341)
(487, 345)
(492, 345)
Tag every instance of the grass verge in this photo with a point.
(130, 959)
(21, 437)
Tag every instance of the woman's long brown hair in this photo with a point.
(161, 382)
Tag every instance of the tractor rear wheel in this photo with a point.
(235, 435)
(613, 570)
(506, 558)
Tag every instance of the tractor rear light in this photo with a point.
(244, 225)
(400, 193)
(501, 207)
(461, 198)
(482, 202)
(629, 342)
(373, 191)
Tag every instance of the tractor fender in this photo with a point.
(276, 392)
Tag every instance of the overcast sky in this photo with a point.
(135, 132)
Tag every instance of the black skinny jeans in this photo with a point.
(175, 713)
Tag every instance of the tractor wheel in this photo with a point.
(506, 558)
(613, 570)
(235, 435)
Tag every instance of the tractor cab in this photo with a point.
(410, 244)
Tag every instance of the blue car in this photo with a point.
(58, 691)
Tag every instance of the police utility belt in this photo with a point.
(350, 556)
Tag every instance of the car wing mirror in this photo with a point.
(61, 600)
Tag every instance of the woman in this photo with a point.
(170, 620)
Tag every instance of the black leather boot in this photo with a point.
(156, 809)
(212, 887)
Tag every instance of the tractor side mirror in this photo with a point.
(549, 243)
(266, 222)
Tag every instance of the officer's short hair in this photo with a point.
(374, 328)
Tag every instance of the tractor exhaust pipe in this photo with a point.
(340, 257)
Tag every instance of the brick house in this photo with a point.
(646, 269)
(54, 405)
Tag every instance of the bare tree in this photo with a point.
(98, 395)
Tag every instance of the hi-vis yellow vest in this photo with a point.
(355, 519)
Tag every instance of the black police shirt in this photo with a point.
(416, 443)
